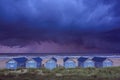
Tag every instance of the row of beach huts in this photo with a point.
(52, 62)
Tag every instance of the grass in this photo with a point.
(111, 73)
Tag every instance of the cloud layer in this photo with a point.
(90, 24)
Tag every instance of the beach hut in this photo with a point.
(51, 63)
(85, 62)
(34, 63)
(102, 62)
(69, 63)
(16, 63)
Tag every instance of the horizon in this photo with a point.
(57, 54)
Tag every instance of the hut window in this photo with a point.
(11, 65)
(31, 61)
(108, 63)
(11, 62)
(89, 63)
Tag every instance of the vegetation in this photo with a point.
(112, 73)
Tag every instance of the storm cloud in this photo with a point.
(92, 24)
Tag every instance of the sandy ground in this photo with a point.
(116, 62)
(3, 63)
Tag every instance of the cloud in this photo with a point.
(23, 22)
(57, 13)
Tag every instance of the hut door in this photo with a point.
(51, 64)
(89, 63)
(107, 63)
(70, 64)
(11, 65)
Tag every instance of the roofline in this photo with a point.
(10, 60)
(70, 59)
(50, 59)
(108, 59)
(30, 59)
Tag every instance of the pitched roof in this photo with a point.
(20, 59)
(37, 59)
(65, 59)
(82, 59)
(54, 59)
(99, 59)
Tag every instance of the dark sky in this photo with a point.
(59, 26)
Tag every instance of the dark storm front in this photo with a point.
(89, 25)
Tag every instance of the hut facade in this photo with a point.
(69, 63)
(102, 62)
(16, 63)
(34, 63)
(85, 62)
(51, 63)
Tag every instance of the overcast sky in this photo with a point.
(59, 26)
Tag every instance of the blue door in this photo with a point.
(107, 63)
(89, 63)
(69, 64)
(51, 64)
(31, 64)
(11, 64)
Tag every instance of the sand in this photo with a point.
(116, 61)
(3, 63)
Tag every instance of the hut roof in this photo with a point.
(82, 59)
(99, 59)
(20, 59)
(65, 59)
(37, 59)
(54, 59)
